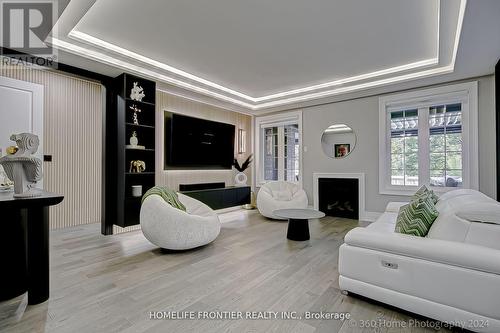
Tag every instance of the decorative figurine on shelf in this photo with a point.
(137, 166)
(134, 142)
(23, 168)
(137, 92)
(136, 109)
(133, 139)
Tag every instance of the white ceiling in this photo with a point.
(262, 47)
(267, 55)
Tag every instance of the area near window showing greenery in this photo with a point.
(404, 147)
(445, 146)
(446, 154)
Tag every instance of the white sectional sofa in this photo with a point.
(452, 275)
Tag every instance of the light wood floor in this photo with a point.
(111, 283)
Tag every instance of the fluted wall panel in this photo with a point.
(73, 136)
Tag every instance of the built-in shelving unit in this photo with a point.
(120, 207)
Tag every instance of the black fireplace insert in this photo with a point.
(339, 197)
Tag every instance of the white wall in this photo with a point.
(362, 115)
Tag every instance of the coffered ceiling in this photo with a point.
(263, 54)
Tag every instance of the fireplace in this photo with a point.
(339, 197)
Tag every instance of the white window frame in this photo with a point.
(465, 93)
(280, 119)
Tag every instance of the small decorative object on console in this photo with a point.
(22, 167)
(137, 92)
(137, 166)
(241, 179)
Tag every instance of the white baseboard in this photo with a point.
(370, 216)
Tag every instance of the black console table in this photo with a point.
(219, 198)
(24, 248)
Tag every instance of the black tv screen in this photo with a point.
(193, 143)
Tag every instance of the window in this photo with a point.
(429, 137)
(404, 148)
(278, 155)
(292, 153)
(271, 153)
(445, 145)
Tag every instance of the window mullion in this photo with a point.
(388, 155)
(281, 153)
(467, 144)
(423, 146)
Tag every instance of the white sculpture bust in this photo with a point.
(23, 168)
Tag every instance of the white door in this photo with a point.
(21, 111)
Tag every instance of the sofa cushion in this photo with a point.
(385, 223)
(394, 206)
(417, 217)
(455, 203)
(487, 212)
(423, 191)
(450, 227)
(484, 234)
(387, 218)
(457, 193)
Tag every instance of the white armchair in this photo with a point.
(174, 229)
(280, 195)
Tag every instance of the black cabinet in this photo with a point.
(130, 117)
(24, 249)
(219, 198)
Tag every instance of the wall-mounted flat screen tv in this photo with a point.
(194, 143)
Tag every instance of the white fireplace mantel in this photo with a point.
(363, 216)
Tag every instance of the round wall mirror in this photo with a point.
(338, 141)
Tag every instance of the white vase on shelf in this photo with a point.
(134, 142)
(240, 179)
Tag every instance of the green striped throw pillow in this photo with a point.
(416, 218)
(423, 191)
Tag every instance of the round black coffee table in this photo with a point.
(298, 221)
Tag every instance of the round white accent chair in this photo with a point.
(280, 195)
(173, 229)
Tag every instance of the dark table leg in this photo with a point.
(298, 230)
(13, 254)
(38, 255)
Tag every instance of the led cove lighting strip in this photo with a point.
(99, 43)
(103, 58)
